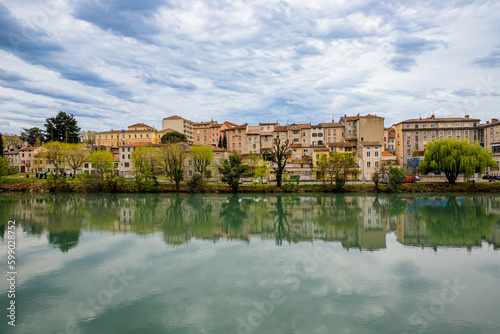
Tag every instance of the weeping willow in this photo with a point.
(454, 157)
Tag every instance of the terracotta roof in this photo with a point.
(141, 124)
(296, 145)
(217, 149)
(167, 130)
(339, 144)
(354, 118)
(387, 154)
(431, 119)
(300, 126)
(116, 157)
(269, 123)
(494, 121)
(202, 123)
(280, 128)
(317, 126)
(173, 117)
(216, 125)
(237, 127)
(266, 133)
(320, 148)
(370, 143)
(28, 148)
(253, 132)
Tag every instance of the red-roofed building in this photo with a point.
(139, 132)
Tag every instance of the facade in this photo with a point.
(413, 135)
(489, 137)
(369, 157)
(12, 159)
(390, 140)
(136, 133)
(236, 138)
(369, 128)
(333, 132)
(26, 159)
(203, 133)
(179, 124)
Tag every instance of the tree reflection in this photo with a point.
(454, 223)
(281, 225)
(173, 226)
(233, 215)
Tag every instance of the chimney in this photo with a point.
(433, 117)
(487, 122)
(494, 120)
(466, 116)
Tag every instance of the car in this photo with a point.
(417, 178)
(44, 173)
(410, 179)
(129, 177)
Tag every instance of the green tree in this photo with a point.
(396, 177)
(75, 155)
(172, 158)
(224, 141)
(323, 163)
(342, 165)
(33, 136)
(219, 143)
(280, 153)
(4, 167)
(145, 160)
(454, 157)
(232, 170)
(102, 162)
(202, 157)
(63, 128)
(54, 152)
(173, 137)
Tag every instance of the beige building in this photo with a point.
(179, 124)
(369, 128)
(489, 136)
(390, 140)
(413, 135)
(253, 140)
(333, 132)
(236, 138)
(369, 157)
(136, 133)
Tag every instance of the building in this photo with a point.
(136, 133)
(369, 128)
(413, 135)
(489, 137)
(12, 159)
(179, 124)
(369, 157)
(236, 138)
(333, 132)
(203, 133)
(390, 140)
(26, 159)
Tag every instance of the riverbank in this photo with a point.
(131, 187)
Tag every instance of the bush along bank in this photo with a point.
(120, 186)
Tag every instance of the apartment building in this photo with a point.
(26, 159)
(412, 135)
(203, 133)
(253, 140)
(136, 133)
(236, 138)
(390, 140)
(489, 136)
(369, 158)
(179, 124)
(368, 128)
(333, 132)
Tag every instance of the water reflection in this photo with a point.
(360, 222)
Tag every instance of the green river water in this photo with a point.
(149, 263)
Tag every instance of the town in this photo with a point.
(371, 143)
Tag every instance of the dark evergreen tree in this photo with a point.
(63, 128)
(33, 136)
(219, 143)
(224, 142)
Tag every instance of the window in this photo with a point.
(349, 131)
(204, 137)
(295, 132)
(433, 125)
(449, 133)
(141, 135)
(368, 164)
(234, 145)
(376, 164)
(408, 126)
(234, 138)
(441, 133)
(466, 132)
(198, 138)
(239, 144)
(304, 134)
(304, 141)
(425, 133)
(123, 149)
(295, 140)
(368, 154)
(329, 131)
(458, 125)
(376, 154)
(424, 125)
(239, 137)
(128, 149)
(127, 164)
(128, 156)
(123, 156)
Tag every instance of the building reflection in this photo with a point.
(356, 222)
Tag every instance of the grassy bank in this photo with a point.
(23, 184)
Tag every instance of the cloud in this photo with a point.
(406, 48)
(124, 17)
(492, 60)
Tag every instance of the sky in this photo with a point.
(114, 63)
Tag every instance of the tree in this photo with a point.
(202, 157)
(54, 153)
(454, 157)
(145, 160)
(4, 167)
(224, 141)
(232, 170)
(323, 163)
(75, 155)
(12, 141)
(342, 165)
(33, 136)
(88, 138)
(280, 153)
(172, 158)
(102, 162)
(396, 177)
(219, 143)
(256, 166)
(173, 137)
(63, 128)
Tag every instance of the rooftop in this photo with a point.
(370, 143)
